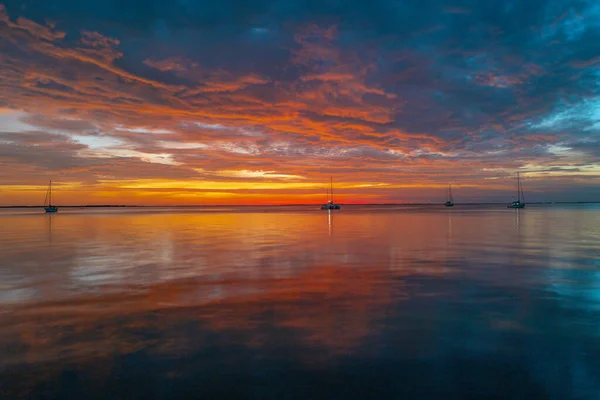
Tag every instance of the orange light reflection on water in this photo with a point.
(83, 284)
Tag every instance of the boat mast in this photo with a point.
(521, 191)
(50, 194)
(331, 183)
(518, 188)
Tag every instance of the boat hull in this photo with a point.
(50, 209)
(330, 207)
(449, 204)
(516, 204)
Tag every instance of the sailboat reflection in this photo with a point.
(449, 226)
(330, 222)
(49, 223)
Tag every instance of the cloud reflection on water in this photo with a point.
(194, 297)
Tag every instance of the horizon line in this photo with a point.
(288, 204)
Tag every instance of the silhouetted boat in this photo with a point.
(450, 202)
(330, 205)
(48, 207)
(520, 202)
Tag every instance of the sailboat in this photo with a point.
(330, 205)
(48, 207)
(520, 202)
(450, 202)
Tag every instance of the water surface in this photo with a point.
(295, 302)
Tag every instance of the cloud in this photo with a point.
(38, 151)
(257, 174)
(387, 93)
(35, 30)
(55, 124)
(170, 65)
(457, 10)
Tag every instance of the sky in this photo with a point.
(260, 102)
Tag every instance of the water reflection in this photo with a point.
(49, 223)
(449, 226)
(401, 303)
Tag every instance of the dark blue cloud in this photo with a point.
(478, 60)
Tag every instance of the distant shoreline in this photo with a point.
(297, 205)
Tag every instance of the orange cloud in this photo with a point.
(80, 109)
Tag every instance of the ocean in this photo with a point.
(292, 302)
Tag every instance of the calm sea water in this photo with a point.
(298, 303)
